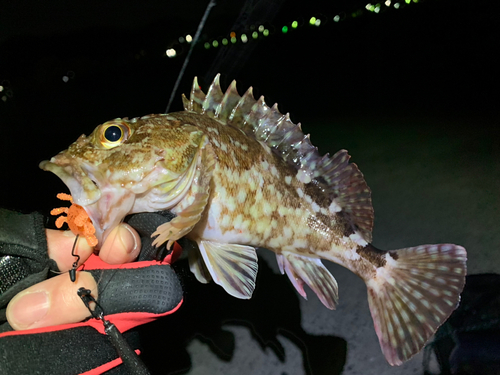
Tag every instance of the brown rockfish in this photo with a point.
(239, 175)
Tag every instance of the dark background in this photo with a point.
(435, 58)
(412, 93)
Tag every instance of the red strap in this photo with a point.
(95, 263)
(107, 366)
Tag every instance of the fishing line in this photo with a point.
(131, 361)
(75, 265)
(210, 5)
(74, 268)
(129, 357)
(230, 61)
(72, 271)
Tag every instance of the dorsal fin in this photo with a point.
(341, 181)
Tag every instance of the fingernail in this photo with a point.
(29, 309)
(127, 238)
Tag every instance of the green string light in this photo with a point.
(313, 21)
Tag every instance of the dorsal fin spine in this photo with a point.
(213, 99)
(229, 102)
(275, 138)
(197, 97)
(268, 124)
(238, 114)
(186, 103)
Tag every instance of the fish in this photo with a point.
(240, 175)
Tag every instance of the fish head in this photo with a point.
(127, 166)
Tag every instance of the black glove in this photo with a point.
(128, 295)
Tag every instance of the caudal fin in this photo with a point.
(413, 294)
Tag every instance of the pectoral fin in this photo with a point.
(301, 269)
(234, 267)
(188, 214)
(182, 223)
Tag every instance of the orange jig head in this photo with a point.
(77, 219)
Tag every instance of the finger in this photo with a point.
(60, 243)
(123, 245)
(52, 302)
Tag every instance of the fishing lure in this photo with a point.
(77, 219)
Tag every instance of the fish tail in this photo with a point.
(413, 294)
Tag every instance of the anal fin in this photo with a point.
(311, 271)
(197, 265)
(234, 267)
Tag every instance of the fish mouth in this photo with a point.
(105, 204)
(83, 189)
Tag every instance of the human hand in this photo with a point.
(55, 301)
(129, 295)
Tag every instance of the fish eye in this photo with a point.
(114, 133)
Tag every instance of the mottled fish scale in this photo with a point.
(264, 207)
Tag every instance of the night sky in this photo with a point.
(432, 58)
(67, 66)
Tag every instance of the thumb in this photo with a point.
(52, 302)
(55, 301)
